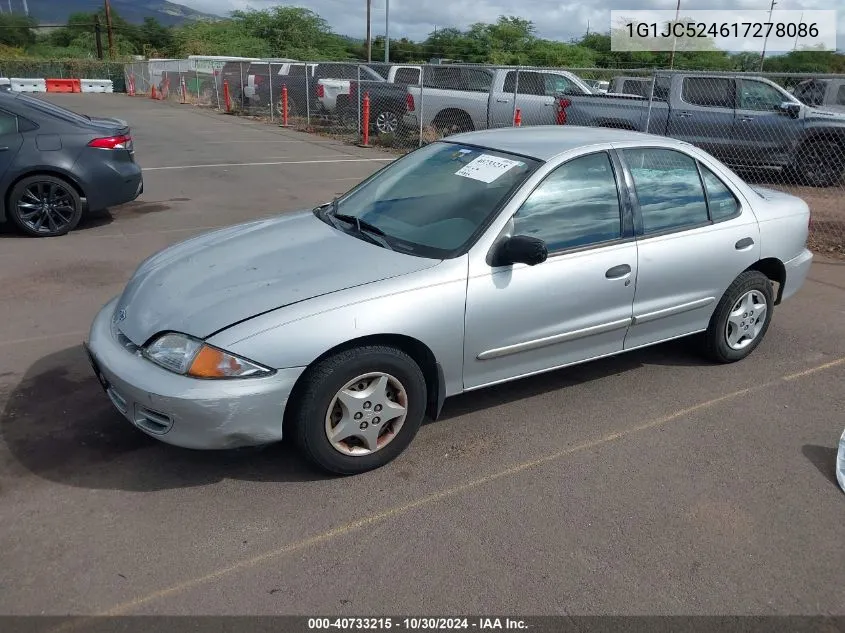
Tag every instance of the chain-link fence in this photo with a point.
(65, 69)
(779, 131)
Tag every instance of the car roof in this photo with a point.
(544, 142)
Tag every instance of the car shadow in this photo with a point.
(58, 425)
(90, 220)
(824, 459)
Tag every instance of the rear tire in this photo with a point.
(344, 432)
(741, 318)
(44, 206)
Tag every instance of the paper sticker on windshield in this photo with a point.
(486, 168)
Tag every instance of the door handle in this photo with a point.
(618, 272)
(4, 149)
(549, 105)
(746, 118)
(684, 115)
(744, 244)
(503, 100)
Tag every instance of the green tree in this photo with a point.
(16, 30)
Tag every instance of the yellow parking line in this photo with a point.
(352, 526)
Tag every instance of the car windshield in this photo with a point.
(434, 201)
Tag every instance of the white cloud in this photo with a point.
(554, 19)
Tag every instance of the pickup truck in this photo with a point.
(466, 98)
(745, 121)
(331, 91)
(829, 93)
(387, 100)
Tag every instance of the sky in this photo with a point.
(554, 19)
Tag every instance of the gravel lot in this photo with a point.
(652, 483)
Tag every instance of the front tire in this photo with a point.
(741, 318)
(359, 409)
(820, 163)
(44, 206)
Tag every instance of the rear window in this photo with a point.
(52, 109)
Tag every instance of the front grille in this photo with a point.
(152, 421)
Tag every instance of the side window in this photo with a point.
(755, 95)
(531, 83)
(8, 124)
(840, 96)
(558, 84)
(668, 188)
(722, 202)
(476, 80)
(710, 92)
(576, 205)
(407, 76)
(661, 88)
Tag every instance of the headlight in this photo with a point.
(188, 356)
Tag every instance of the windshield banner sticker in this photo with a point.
(486, 168)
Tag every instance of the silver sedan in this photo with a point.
(478, 259)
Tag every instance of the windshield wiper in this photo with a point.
(363, 227)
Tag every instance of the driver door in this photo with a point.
(576, 305)
(762, 131)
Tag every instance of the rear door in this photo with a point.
(10, 141)
(703, 114)
(693, 238)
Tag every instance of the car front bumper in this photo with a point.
(184, 411)
(797, 270)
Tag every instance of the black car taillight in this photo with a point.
(112, 142)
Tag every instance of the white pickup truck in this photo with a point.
(464, 98)
(337, 83)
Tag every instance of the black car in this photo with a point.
(56, 165)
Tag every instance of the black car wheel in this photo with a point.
(44, 206)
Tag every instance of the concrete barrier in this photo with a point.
(28, 85)
(97, 85)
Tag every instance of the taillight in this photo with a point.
(321, 91)
(409, 102)
(112, 142)
(353, 89)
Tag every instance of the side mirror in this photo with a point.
(521, 249)
(792, 109)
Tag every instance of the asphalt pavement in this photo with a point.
(653, 483)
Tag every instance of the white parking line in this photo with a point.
(281, 162)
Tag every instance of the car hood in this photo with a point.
(215, 280)
(826, 112)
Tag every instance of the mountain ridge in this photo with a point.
(48, 12)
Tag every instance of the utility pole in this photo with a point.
(25, 8)
(763, 54)
(109, 28)
(387, 32)
(98, 36)
(674, 39)
(369, 33)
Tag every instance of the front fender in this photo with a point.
(427, 306)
